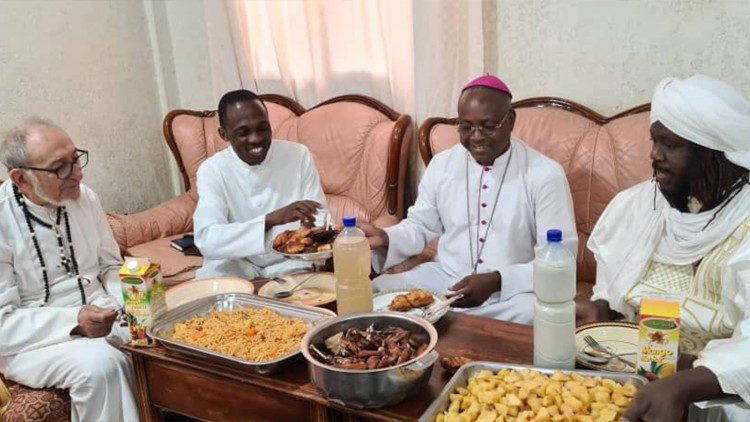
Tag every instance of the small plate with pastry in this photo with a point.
(306, 243)
(413, 302)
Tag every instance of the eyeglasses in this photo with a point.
(64, 170)
(466, 129)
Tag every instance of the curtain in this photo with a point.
(412, 55)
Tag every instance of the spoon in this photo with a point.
(286, 293)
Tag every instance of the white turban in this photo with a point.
(707, 112)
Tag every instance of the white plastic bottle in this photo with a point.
(352, 261)
(554, 311)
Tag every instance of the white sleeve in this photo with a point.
(215, 236)
(108, 252)
(311, 189)
(728, 358)
(23, 329)
(553, 209)
(422, 223)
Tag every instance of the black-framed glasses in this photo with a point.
(64, 170)
(465, 129)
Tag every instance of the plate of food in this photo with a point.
(620, 338)
(413, 302)
(189, 291)
(306, 243)
(317, 288)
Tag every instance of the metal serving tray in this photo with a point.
(461, 379)
(163, 326)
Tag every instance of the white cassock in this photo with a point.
(534, 198)
(36, 348)
(233, 200)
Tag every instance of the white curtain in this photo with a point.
(413, 55)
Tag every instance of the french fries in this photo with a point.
(529, 395)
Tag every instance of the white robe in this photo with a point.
(233, 200)
(534, 198)
(633, 230)
(36, 348)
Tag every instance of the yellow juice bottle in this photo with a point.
(352, 261)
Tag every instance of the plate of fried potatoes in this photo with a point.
(306, 243)
(499, 391)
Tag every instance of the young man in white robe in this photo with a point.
(687, 234)
(251, 192)
(59, 287)
(491, 200)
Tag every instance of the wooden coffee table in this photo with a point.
(194, 387)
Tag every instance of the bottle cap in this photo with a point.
(554, 235)
(350, 221)
(133, 266)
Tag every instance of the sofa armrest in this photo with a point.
(172, 217)
(386, 220)
(428, 254)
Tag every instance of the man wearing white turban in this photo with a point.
(685, 233)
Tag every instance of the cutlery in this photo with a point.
(436, 307)
(599, 348)
(286, 293)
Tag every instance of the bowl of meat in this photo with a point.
(370, 360)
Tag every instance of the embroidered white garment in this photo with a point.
(36, 348)
(535, 197)
(625, 240)
(233, 200)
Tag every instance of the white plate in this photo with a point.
(197, 289)
(381, 301)
(617, 337)
(319, 290)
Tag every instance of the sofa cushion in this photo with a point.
(601, 156)
(28, 404)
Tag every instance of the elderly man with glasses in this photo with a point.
(491, 199)
(59, 288)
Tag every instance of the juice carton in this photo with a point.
(658, 337)
(143, 293)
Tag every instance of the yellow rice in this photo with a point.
(255, 335)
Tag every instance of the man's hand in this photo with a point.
(476, 288)
(586, 312)
(377, 237)
(94, 321)
(667, 399)
(303, 211)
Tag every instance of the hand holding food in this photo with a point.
(305, 240)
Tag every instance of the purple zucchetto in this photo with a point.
(489, 81)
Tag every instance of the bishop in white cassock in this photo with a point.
(251, 192)
(491, 200)
(59, 287)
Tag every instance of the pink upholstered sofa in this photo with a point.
(601, 156)
(360, 148)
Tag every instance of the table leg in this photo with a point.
(149, 412)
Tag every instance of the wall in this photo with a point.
(88, 66)
(609, 55)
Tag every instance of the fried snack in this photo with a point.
(400, 303)
(416, 298)
(302, 240)
(530, 395)
(451, 364)
(419, 298)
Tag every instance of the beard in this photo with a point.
(36, 189)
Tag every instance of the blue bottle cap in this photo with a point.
(350, 221)
(554, 235)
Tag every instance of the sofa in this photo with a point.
(359, 145)
(601, 156)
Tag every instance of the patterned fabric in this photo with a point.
(27, 404)
(701, 312)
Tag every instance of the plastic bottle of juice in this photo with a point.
(352, 261)
(554, 310)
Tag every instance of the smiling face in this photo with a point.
(48, 148)
(247, 128)
(481, 110)
(671, 160)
